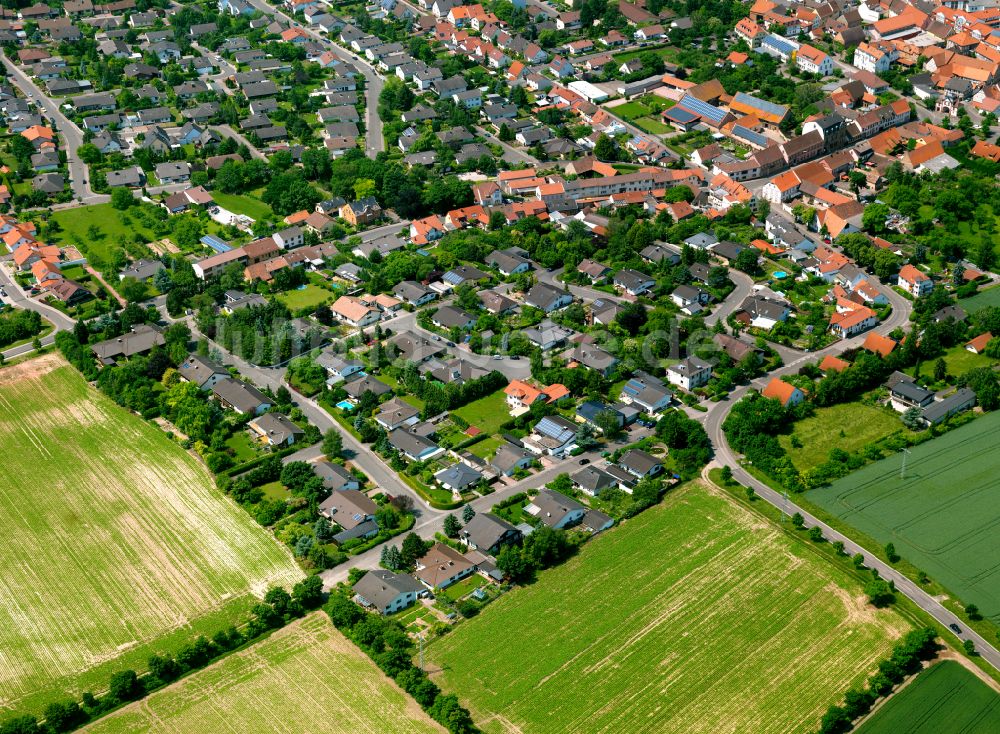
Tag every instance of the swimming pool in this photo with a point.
(345, 405)
(780, 274)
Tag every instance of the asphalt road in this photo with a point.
(374, 140)
(725, 456)
(73, 135)
(510, 153)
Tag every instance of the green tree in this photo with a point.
(121, 198)
(890, 553)
(468, 512)
(879, 593)
(451, 526)
(514, 564)
(605, 148)
(333, 444)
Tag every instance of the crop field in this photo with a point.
(306, 677)
(943, 516)
(695, 616)
(848, 426)
(116, 543)
(987, 297)
(944, 699)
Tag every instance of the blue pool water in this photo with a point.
(780, 274)
(345, 405)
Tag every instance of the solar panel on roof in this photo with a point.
(702, 109)
(780, 44)
(750, 136)
(761, 104)
(680, 115)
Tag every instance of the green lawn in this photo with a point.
(959, 361)
(112, 232)
(242, 446)
(311, 297)
(652, 125)
(486, 448)
(465, 586)
(306, 677)
(630, 110)
(943, 699)
(487, 414)
(242, 204)
(860, 425)
(695, 616)
(942, 517)
(118, 544)
(666, 52)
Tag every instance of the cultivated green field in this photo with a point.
(944, 699)
(116, 543)
(820, 433)
(696, 616)
(988, 297)
(306, 677)
(943, 517)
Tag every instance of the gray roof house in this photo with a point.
(553, 435)
(413, 446)
(386, 592)
(396, 413)
(488, 533)
(509, 458)
(640, 464)
(241, 397)
(202, 371)
(275, 429)
(357, 388)
(591, 480)
(548, 298)
(354, 511)
(140, 340)
(555, 510)
(458, 477)
(335, 477)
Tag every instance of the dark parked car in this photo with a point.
(584, 462)
(955, 628)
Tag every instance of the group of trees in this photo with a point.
(277, 609)
(907, 658)
(392, 649)
(19, 324)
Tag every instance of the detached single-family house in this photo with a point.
(640, 464)
(442, 566)
(690, 373)
(633, 282)
(555, 510)
(458, 477)
(413, 446)
(646, 392)
(387, 592)
(592, 481)
(202, 371)
(785, 393)
(353, 511)
(335, 477)
(274, 429)
(239, 396)
(914, 281)
(547, 297)
(488, 533)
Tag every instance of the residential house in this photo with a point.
(555, 510)
(785, 393)
(353, 511)
(690, 373)
(384, 591)
(413, 446)
(274, 429)
(458, 477)
(640, 464)
(442, 566)
(202, 371)
(488, 533)
(240, 397)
